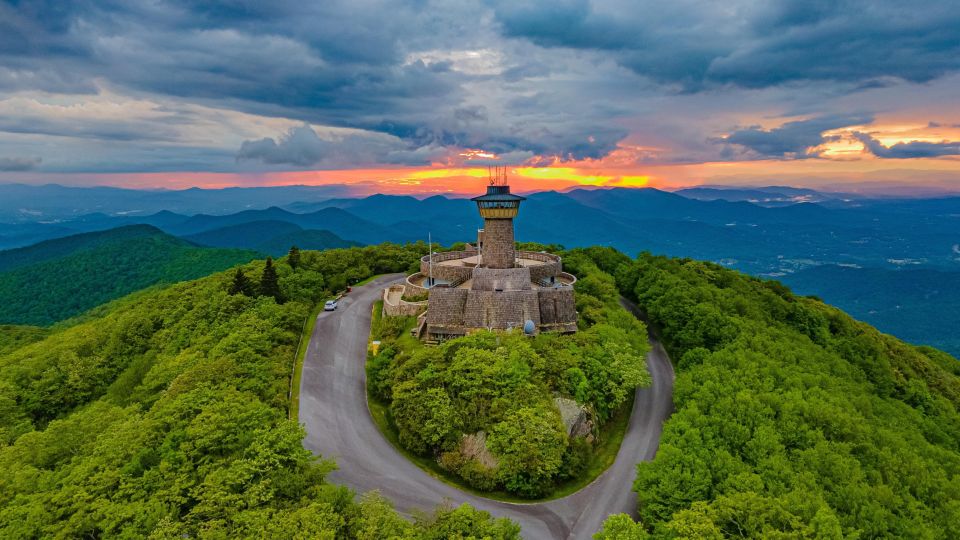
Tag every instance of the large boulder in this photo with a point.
(576, 418)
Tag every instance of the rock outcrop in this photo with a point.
(576, 418)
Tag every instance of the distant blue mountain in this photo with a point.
(800, 244)
(270, 237)
(917, 305)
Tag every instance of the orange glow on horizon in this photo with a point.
(842, 160)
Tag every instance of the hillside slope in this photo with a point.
(58, 279)
(918, 305)
(792, 419)
(62, 247)
(269, 236)
(166, 417)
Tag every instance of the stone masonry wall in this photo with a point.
(447, 273)
(498, 247)
(505, 279)
(557, 306)
(446, 306)
(501, 310)
(545, 271)
(411, 289)
(395, 306)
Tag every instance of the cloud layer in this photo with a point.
(241, 85)
(16, 164)
(793, 140)
(912, 149)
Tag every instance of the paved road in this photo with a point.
(333, 407)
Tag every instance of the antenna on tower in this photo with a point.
(497, 175)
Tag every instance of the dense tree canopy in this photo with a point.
(792, 420)
(484, 404)
(47, 283)
(164, 415)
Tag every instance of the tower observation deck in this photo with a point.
(498, 207)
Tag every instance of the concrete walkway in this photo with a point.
(333, 406)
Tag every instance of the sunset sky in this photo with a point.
(418, 96)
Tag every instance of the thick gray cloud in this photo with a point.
(912, 149)
(792, 139)
(753, 44)
(557, 78)
(302, 147)
(9, 164)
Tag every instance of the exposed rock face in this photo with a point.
(474, 446)
(575, 418)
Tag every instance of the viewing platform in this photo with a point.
(455, 269)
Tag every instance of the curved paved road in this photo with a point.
(333, 407)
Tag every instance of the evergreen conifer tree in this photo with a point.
(293, 257)
(241, 284)
(269, 284)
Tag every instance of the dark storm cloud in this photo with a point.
(912, 149)
(751, 44)
(328, 63)
(8, 164)
(302, 147)
(792, 139)
(562, 85)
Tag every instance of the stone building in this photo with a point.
(491, 285)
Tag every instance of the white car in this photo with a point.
(331, 305)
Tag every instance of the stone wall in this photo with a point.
(452, 274)
(446, 307)
(501, 310)
(557, 306)
(395, 306)
(411, 289)
(498, 246)
(503, 279)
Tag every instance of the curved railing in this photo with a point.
(538, 256)
(456, 274)
(412, 290)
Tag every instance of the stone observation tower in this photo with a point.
(497, 208)
(489, 285)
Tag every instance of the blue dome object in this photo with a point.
(529, 327)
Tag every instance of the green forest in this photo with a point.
(484, 405)
(792, 419)
(164, 415)
(52, 281)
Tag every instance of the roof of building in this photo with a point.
(499, 193)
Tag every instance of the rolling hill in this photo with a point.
(61, 278)
(918, 305)
(769, 239)
(62, 247)
(166, 415)
(339, 222)
(791, 420)
(272, 237)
